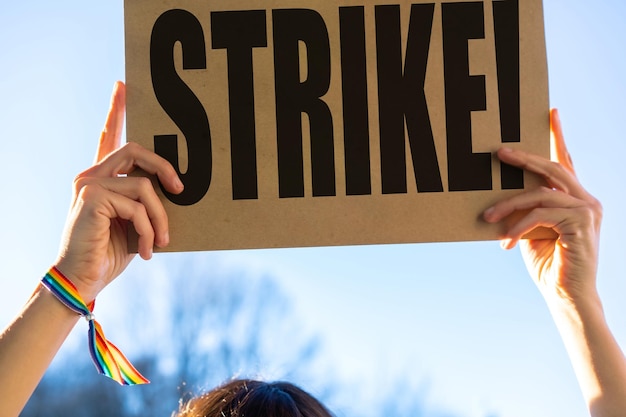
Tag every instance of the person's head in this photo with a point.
(250, 398)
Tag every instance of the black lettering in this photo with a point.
(239, 32)
(506, 27)
(293, 98)
(402, 99)
(180, 103)
(464, 93)
(355, 109)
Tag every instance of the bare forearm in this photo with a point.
(28, 346)
(597, 359)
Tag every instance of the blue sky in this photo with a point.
(461, 319)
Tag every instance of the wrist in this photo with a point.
(106, 357)
(55, 310)
(570, 290)
(87, 291)
(575, 305)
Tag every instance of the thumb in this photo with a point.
(111, 136)
(557, 143)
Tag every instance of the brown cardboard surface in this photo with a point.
(220, 221)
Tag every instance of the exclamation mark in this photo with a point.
(506, 28)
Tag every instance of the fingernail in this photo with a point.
(166, 239)
(506, 150)
(505, 244)
(178, 184)
(488, 213)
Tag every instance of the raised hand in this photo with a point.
(565, 266)
(94, 249)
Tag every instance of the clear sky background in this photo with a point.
(462, 322)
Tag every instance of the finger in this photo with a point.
(540, 217)
(111, 205)
(566, 222)
(132, 155)
(111, 136)
(542, 197)
(557, 141)
(555, 174)
(138, 189)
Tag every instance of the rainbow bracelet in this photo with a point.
(106, 356)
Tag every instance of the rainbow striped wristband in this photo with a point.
(106, 356)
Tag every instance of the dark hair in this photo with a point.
(251, 398)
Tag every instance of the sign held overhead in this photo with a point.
(306, 123)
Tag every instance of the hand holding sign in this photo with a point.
(94, 249)
(563, 267)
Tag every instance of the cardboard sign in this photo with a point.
(336, 122)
